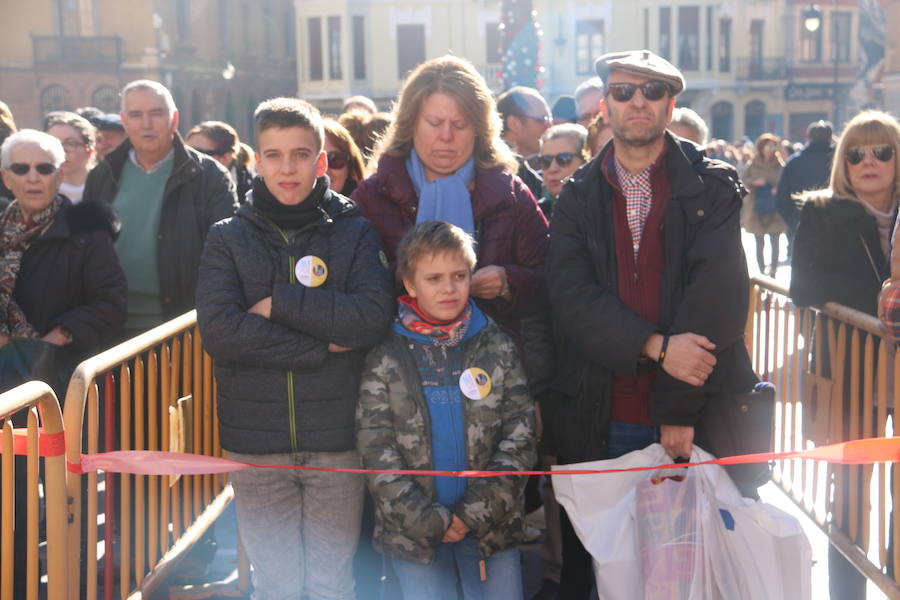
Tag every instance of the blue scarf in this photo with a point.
(445, 198)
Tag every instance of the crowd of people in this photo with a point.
(462, 283)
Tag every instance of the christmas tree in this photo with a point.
(520, 44)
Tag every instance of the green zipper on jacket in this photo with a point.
(327, 219)
(292, 409)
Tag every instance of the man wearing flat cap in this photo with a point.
(648, 284)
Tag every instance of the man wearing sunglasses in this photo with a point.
(648, 285)
(526, 116)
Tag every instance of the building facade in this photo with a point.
(751, 65)
(219, 57)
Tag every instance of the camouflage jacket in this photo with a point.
(394, 432)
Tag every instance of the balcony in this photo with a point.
(761, 69)
(58, 50)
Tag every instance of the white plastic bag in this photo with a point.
(700, 540)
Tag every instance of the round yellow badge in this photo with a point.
(311, 271)
(475, 383)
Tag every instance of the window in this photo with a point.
(290, 43)
(810, 44)
(223, 23)
(55, 97)
(646, 28)
(588, 45)
(492, 42)
(183, 21)
(334, 48)
(245, 31)
(689, 37)
(841, 34)
(665, 32)
(266, 14)
(359, 47)
(106, 98)
(757, 35)
(314, 32)
(410, 48)
(725, 45)
(710, 11)
(754, 119)
(723, 120)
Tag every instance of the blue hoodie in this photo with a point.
(439, 372)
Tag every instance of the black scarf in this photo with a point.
(290, 217)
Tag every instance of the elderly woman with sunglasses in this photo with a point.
(345, 162)
(841, 254)
(442, 159)
(563, 150)
(60, 279)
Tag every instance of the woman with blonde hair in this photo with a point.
(442, 159)
(842, 254)
(345, 162)
(843, 243)
(760, 215)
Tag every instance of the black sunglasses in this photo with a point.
(652, 90)
(562, 159)
(41, 168)
(882, 153)
(211, 152)
(337, 159)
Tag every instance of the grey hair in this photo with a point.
(591, 85)
(573, 131)
(153, 86)
(687, 117)
(44, 141)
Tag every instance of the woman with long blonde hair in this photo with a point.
(842, 254)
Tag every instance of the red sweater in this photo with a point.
(639, 285)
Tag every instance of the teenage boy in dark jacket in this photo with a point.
(292, 291)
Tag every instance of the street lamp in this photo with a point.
(812, 18)
(812, 22)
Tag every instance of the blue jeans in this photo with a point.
(628, 437)
(457, 565)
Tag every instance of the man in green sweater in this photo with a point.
(167, 195)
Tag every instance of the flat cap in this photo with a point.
(640, 62)
(107, 122)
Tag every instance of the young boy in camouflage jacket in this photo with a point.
(446, 391)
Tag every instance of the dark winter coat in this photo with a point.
(511, 231)
(199, 193)
(70, 276)
(805, 171)
(394, 432)
(705, 290)
(837, 256)
(279, 389)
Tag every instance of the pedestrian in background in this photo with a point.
(78, 138)
(220, 141)
(760, 213)
(346, 167)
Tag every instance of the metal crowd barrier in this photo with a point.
(43, 411)
(153, 392)
(835, 378)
